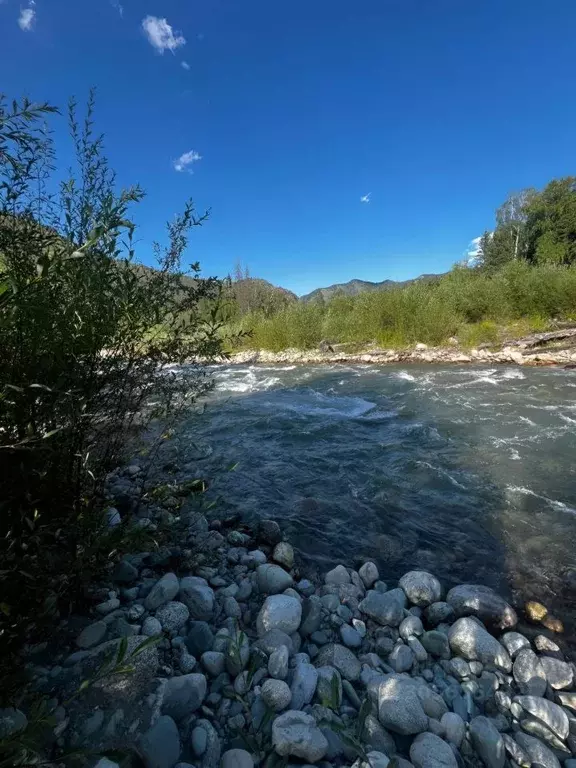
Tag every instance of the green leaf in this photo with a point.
(122, 649)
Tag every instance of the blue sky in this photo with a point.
(438, 108)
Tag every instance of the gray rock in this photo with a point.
(488, 742)
(382, 607)
(429, 751)
(546, 645)
(213, 662)
(401, 659)
(269, 531)
(284, 554)
(558, 673)
(311, 615)
(377, 737)
(350, 636)
(516, 752)
(274, 639)
(124, 572)
(410, 626)
(296, 734)
(432, 703)
(92, 635)
(151, 627)
(417, 649)
(567, 700)
(305, 587)
(303, 686)
(211, 756)
(338, 575)
(183, 695)
(421, 588)
(232, 608)
(237, 758)
(483, 602)
(539, 753)
(278, 663)
(277, 695)
(438, 612)
(454, 728)
(159, 747)
(12, 721)
(279, 612)
(197, 596)
(459, 668)
(436, 643)
(164, 590)
(341, 658)
(105, 763)
(469, 639)
(375, 760)
(529, 673)
(537, 728)
(199, 741)
(272, 579)
(186, 662)
(514, 642)
(172, 615)
(549, 713)
(399, 707)
(107, 606)
(369, 574)
(200, 638)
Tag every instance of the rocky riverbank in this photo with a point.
(421, 353)
(212, 650)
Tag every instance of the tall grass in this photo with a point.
(467, 303)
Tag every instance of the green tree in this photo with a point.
(551, 223)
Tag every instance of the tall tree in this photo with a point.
(551, 223)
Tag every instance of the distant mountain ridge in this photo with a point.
(354, 287)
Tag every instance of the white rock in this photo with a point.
(470, 640)
(279, 612)
(421, 588)
(296, 734)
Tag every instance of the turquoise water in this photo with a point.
(468, 472)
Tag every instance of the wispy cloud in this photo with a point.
(27, 17)
(473, 248)
(185, 65)
(118, 6)
(161, 36)
(186, 161)
(365, 198)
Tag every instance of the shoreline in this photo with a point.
(507, 355)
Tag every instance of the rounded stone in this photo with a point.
(276, 694)
(151, 627)
(430, 751)
(237, 758)
(454, 728)
(421, 588)
(296, 734)
(272, 579)
(483, 602)
(279, 612)
(369, 574)
(338, 575)
(172, 615)
(284, 554)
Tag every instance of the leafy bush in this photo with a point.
(87, 339)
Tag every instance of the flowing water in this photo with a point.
(465, 471)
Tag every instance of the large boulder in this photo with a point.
(399, 706)
(469, 639)
(421, 588)
(483, 602)
(430, 751)
(281, 612)
(383, 607)
(295, 734)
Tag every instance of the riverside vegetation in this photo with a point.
(522, 279)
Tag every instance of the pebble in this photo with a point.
(454, 728)
(487, 742)
(549, 713)
(484, 603)
(284, 555)
(183, 695)
(304, 681)
(382, 607)
(92, 635)
(514, 642)
(151, 627)
(213, 662)
(279, 612)
(341, 658)
(470, 640)
(272, 579)
(164, 590)
(430, 751)
(198, 597)
(160, 747)
(237, 758)
(399, 707)
(350, 636)
(172, 615)
(369, 574)
(401, 659)
(278, 663)
(338, 575)
(559, 674)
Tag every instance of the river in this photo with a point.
(468, 472)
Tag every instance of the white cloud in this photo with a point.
(186, 161)
(365, 198)
(118, 6)
(185, 65)
(473, 248)
(26, 18)
(161, 35)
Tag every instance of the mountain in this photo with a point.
(354, 287)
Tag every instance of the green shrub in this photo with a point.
(85, 340)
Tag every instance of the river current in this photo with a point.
(468, 472)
